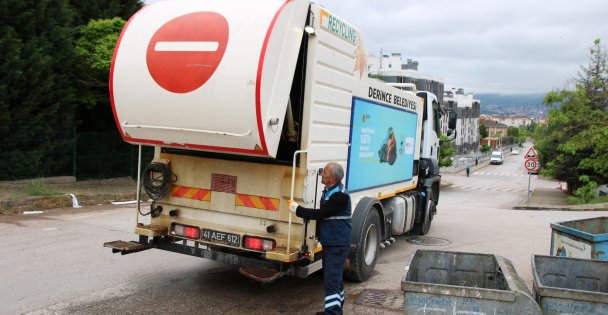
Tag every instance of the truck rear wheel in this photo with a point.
(424, 226)
(363, 260)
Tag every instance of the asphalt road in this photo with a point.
(54, 263)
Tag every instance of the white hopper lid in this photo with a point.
(207, 75)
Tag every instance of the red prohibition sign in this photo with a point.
(531, 164)
(185, 52)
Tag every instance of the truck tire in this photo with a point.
(423, 227)
(363, 259)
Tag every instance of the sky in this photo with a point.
(483, 46)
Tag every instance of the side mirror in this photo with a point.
(452, 120)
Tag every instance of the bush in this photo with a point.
(586, 193)
(37, 187)
(485, 148)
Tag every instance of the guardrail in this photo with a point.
(460, 162)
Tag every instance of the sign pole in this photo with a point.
(529, 179)
(531, 163)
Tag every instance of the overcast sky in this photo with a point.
(483, 46)
(512, 46)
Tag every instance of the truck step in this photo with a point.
(260, 275)
(125, 247)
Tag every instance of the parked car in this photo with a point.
(515, 151)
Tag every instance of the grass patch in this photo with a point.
(601, 199)
(572, 200)
(37, 187)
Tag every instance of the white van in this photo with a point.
(496, 157)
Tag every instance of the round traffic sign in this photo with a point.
(185, 52)
(531, 164)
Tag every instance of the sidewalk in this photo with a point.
(555, 199)
(540, 198)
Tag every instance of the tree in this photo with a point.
(512, 134)
(446, 150)
(573, 146)
(523, 133)
(87, 10)
(484, 131)
(36, 90)
(594, 78)
(99, 23)
(39, 77)
(94, 49)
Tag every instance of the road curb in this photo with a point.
(587, 207)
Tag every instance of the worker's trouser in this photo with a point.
(333, 268)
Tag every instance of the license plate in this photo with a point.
(221, 237)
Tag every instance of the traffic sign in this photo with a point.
(531, 154)
(185, 52)
(531, 164)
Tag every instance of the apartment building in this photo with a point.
(467, 125)
(392, 69)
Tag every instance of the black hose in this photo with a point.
(157, 179)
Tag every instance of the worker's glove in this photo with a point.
(293, 206)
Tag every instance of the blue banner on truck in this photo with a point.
(382, 141)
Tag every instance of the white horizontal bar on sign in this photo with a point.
(186, 46)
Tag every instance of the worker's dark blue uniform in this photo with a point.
(334, 221)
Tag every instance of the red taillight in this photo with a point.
(186, 231)
(256, 243)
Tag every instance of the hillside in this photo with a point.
(513, 104)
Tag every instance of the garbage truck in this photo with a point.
(244, 103)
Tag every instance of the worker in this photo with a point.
(334, 219)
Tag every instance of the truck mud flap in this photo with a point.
(267, 276)
(261, 275)
(125, 247)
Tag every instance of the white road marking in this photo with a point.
(32, 212)
(499, 174)
(186, 46)
(83, 216)
(488, 188)
(50, 229)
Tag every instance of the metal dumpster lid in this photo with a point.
(591, 229)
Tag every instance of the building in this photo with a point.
(497, 133)
(392, 69)
(467, 124)
(512, 120)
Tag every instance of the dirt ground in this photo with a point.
(56, 186)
